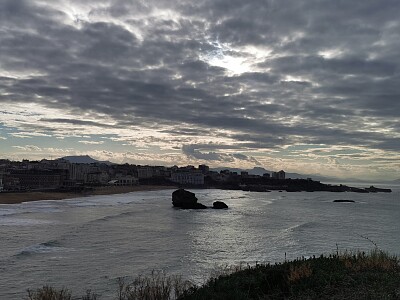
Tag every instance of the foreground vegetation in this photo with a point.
(374, 275)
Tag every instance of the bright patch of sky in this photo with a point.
(290, 85)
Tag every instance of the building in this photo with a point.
(39, 179)
(204, 169)
(99, 177)
(144, 172)
(124, 181)
(188, 177)
(244, 174)
(279, 175)
(78, 172)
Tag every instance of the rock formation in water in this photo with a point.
(373, 189)
(344, 201)
(185, 200)
(219, 205)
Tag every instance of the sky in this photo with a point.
(308, 86)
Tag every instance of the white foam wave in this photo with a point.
(8, 221)
(8, 211)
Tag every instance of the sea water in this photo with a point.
(87, 243)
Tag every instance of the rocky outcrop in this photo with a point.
(219, 205)
(344, 201)
(373, 189)
(186, 200)
(358, 190)
(255, 188)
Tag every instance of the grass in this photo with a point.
(157, 286)
(373, 275)
(346, 275)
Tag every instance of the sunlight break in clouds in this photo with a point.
(156, 81)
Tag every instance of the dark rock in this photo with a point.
(197, 206)
(185, 200)
(182, 197)
(255, 188)
(344, 201)
(373, 189)
(219, 205)
(293, 190)
(358, 190)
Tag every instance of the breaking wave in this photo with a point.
(45, 247)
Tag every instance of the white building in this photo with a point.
(79, 172)
(193, 178)
(124, 181)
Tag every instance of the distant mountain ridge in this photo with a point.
(84, 159)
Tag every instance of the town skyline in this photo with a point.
(86, 160)
(80, 175)
(310, 87)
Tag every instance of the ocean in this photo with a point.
(87, 243)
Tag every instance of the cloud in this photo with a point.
(91, 142)
(28, 148)
(260, 75)
(199, 152)
(77, 122)
(28, 134)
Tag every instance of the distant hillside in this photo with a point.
(84, 159)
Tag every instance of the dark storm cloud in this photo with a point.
(77, 122)
(332, 67)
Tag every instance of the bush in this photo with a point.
(157, 286)
(49, 293)
(347, 275)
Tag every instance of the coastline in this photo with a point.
(16, 198)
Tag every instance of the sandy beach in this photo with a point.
(14, 198)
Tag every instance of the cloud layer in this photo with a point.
(256, 80)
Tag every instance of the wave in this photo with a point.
(117, 216)
(301, 227)
(9, 212)
(106, 201)
(109, 218)
(45, 247)
(10, 221)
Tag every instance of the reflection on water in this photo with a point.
(89, 242)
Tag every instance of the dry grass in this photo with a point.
(347, 275)
(297, 273)
(157, 286)
(374, 260)
(344, 276)
(49, 293)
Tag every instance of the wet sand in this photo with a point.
(14, 198)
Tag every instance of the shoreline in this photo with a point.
(17, 198)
